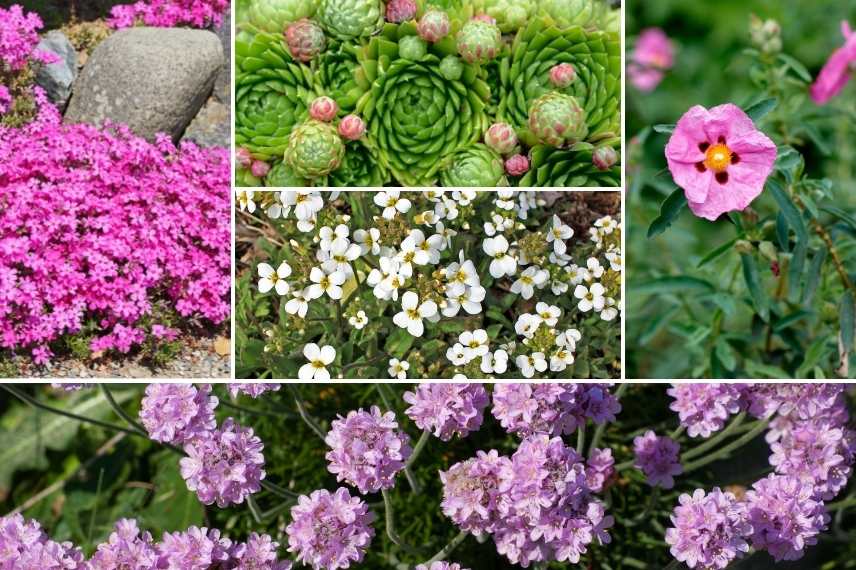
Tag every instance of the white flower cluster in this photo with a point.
(559, 355)
(590, 292)
(474, 345)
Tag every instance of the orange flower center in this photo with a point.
(717, 157)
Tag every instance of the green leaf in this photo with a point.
(760, 109)
(398, 342)
(846, 316)
(667, 129)
(814, 275)
(172, 506)
(815, 353)
(841, 215)
(782, 232)
(669, 210)
(717, 252)
(795, 271)
(788, 320)
(656, 324)
(726, 354)
(753, 283)
(759, 370)
(796, 66)
(677, 284)
(788, 209)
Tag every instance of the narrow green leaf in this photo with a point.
(841, 215)
(753, 283)
(815, 353)
(726, 354)
(782, 232)
(759, 370)
(677, 284)
(813, 276)
(760, 109)
(788, 320)
(667, 129)
(656, 324)
(796, 66)
(795, 271)
(717, 252)
(669, 210)
(846, 316)
(788, 209)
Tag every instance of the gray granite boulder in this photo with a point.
(57, 78)
(151, 79)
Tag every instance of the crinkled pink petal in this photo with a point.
(836, 72)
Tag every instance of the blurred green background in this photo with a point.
(711, 68)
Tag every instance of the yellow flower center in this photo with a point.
(717, 157)
(413, 314)
(317, 364)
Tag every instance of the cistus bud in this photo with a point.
(323, 109)
(501, 138)
(743, 246)
(562, 75)
(604, 157)
(517, 165)
(766, 35)
(352, 127)
(768, 250)
(260, 168)
(434, 25)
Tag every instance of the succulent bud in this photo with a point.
(259, 168)
(604, 157)
(323, 109)
(562, 75)
(413, 48)
(305, 39)
(352, 127)
(517, 165)
(501, 138)
(243, 157)
(451, 68)
(434, 26)
(479, 41)
(485, 18)
(398, 11)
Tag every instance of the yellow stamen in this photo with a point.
(718, 158)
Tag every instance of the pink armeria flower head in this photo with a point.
(838, 69)
(659, 459)
(447, 409)
(720, 159)
(653, 56)
(176, 413)
(471, 492)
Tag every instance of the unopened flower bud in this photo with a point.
(501, 138)
(323, 109)
(562, 75)
(259, 168)
(604, 157)
(352, 127)
(768, 250)
(434, 25)
(243, 157)
(743, 246)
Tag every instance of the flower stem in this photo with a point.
(581, 438)
(121, 412)
(341, 326)
(736, 444)
(673, 565)
(715, 440)
(676, 433)
(846, 503)
(304, 413)
(447, 550)
(277, 490)
(390, 525)
(420, 445)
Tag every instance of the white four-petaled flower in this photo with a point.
(533, 277)
(274, 279)
(528, 365)
(319, 358)
(391, 202)
(325, 281)
(398, 368)
(558, 234)
(590, 297)
(412, 313)
(502, 263)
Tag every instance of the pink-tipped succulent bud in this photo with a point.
(243, 157)
(501, 138)
(323, 109)
(398, 11)
(434, 25)
(604, 157)
(485, 18)
(562, 75)
(352, 128)
(259, 168)
(517, 165)
(305, 39)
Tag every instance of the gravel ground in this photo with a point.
(197, 359)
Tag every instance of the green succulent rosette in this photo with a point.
(458, 10)
(586, 13)
(475, 166)
(510, 15)
(245, 179)
(315, 149)
(272, 94)
(282, 176)
(350, 19)
(596, 57)
(341, 77)
(557, 167)
(275, 15)
(416, 116)
(359, 168)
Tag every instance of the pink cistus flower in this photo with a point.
(447, 409)
(471, 492)
(837, 70)
(24, 545)
(176, 413)
(658, 458)
(710, 530)
(517, 165)
(330, 530)
(367, 449)
(653, 55)
(225, 465)
(352, 127)
(323, 109)
(719, 159)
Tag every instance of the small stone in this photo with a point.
(57, 78)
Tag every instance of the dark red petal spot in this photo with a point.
(704, 146)
(722, 177)
(735, 158)
(721, 140)
(700, 166)
(774, 267)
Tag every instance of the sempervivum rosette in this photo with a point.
(586, 13)
(416, 115)
(475, 166)
(282, 176)
(274, 15)
(510, 15)
(272, 92)
(314, 150)
(574, 166)
(359, 168)
(340, 75)
(596, 58)
(350, 19)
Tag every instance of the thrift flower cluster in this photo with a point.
(224, 464)
(447, 410)
(813, 452)
(169, 13)
(25, 546)
(98, 226)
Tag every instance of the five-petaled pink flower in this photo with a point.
(653, 56)
(836, 73)
(720, 159)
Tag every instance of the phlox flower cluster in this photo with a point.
(367, 449)
(98, 226)
(224, 464)
(447, 409)
(25, 546)
(19, 35)
(169, 13)
(552, 409)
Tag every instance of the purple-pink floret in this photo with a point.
(177, 413)
(784, 515)
(710, 530)
(126, 547)
(441, 566)
(258, 553)
(224, 466)
(471, 492)
(193, 549)
(367, 449)
(24, 545)
(252, 389)
(552, 409)
(19, 36)
(447, 409)
(330, 530)
(659, 459)
(600, 469)
(704, 408)
(169, 13)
